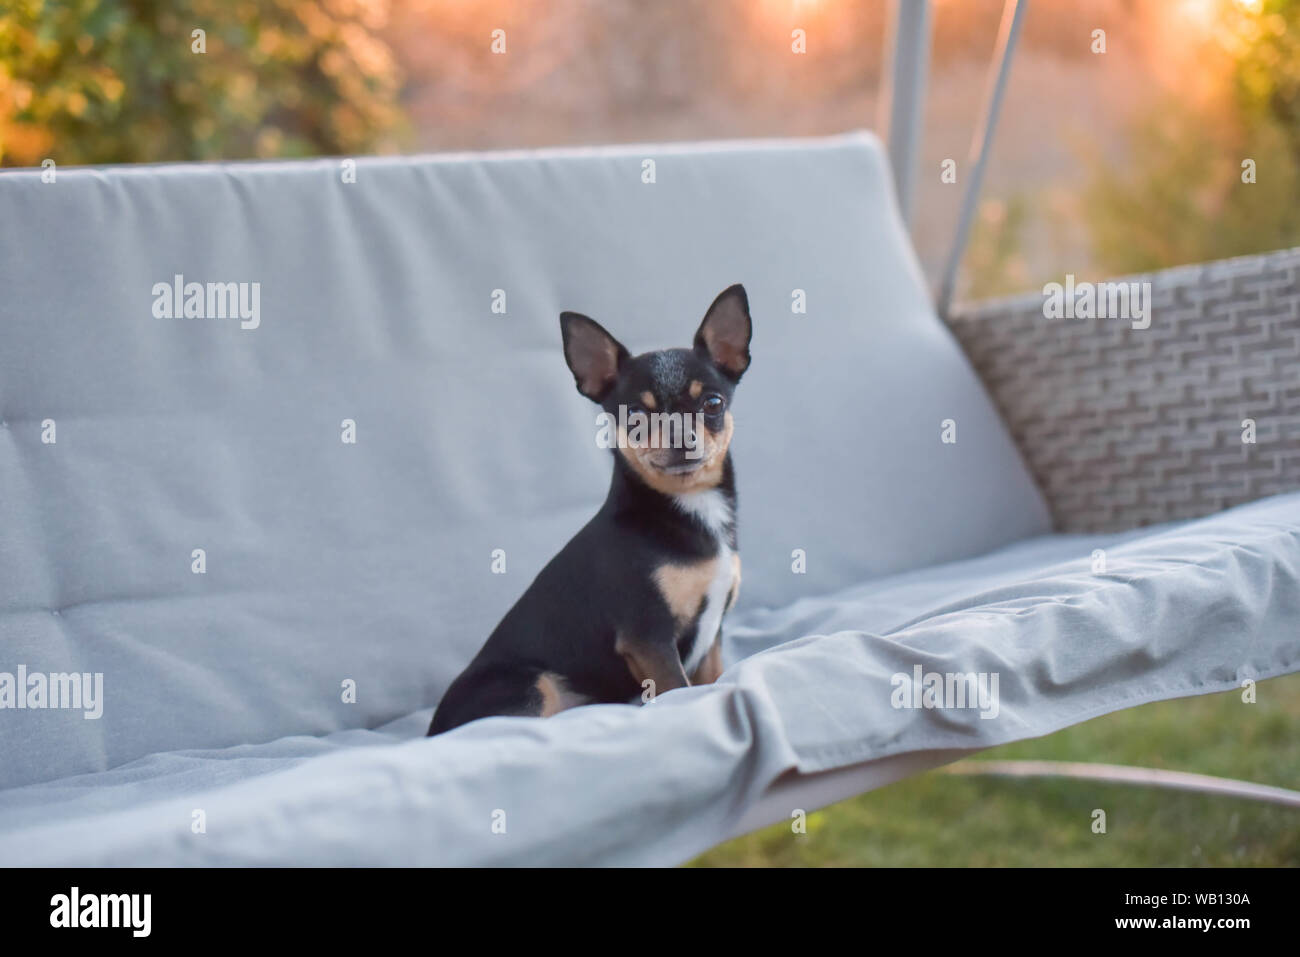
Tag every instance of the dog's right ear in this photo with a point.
(723, 336)
(593, 355)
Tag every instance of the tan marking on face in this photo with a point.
(696, 388)
(648, 400)
(710, 668)
(713, 449)
(735, 580)
(556, 695)
(684, 587)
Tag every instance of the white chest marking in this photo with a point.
(715, 603)
(714, 512)
(711, 508)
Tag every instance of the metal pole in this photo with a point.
(1012, 15)
(902, 99)
(1121, 774)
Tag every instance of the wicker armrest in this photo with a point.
(1125, 427)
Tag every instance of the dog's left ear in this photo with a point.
(723, 336)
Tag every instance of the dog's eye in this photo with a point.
(712, 404)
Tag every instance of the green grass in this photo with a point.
(944, 820)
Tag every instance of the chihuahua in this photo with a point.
(632, 606)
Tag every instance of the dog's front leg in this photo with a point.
(655, 661)
(711, 666)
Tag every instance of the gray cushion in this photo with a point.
(1186, 609)
(371, 562)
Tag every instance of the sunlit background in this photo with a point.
(1104, 164)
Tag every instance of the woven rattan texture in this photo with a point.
(1124, 427)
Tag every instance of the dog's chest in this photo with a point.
(698, 594)
(716, 594)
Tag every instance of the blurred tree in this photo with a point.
(1267, 78)
(1181, 197)
(109, 81)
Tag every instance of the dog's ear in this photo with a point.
(723, 336)
(593, 355)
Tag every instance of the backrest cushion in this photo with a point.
(411, 304)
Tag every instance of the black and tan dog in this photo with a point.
(638, 595)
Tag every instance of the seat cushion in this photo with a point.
(184, 511)
(1074, 626)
